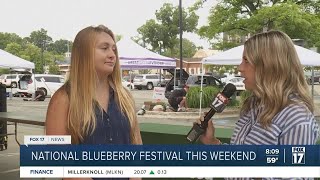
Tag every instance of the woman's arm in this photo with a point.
(136, 131)
(57, 114)
(57, 118)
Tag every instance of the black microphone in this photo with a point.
(218, 105)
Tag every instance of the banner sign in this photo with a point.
(168, 155)
(61, 161)
(151, 63)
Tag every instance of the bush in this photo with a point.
(208, 93)
(243, 96)
(233, 103)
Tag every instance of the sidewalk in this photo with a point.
(10, 158)
(227, 118)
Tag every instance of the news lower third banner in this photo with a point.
(169, 161)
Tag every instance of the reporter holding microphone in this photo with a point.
(280, 108)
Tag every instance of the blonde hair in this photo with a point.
(82, 83)
(278, 73)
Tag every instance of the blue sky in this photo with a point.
(64, 18)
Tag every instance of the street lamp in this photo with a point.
(160, 43)
(44, 43)
(180, 31)
(42, 59)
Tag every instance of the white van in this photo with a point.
(49, 83)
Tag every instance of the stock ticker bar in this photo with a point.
(169, 161)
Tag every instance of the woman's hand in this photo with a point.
(209, 136)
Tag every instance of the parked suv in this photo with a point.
(316, 77)
(208, 80)
(238, 82)
(147, 81)
(10, 80)
(49, 83)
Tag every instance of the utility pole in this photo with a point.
(160, 54)
(42, 59)
(180, 31)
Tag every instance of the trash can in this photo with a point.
(3, 98)
(3, 125)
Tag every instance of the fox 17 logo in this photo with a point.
(219, 103)
(298, 155)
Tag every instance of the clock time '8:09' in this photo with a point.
(272, 151)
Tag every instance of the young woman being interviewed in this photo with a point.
(93, 106)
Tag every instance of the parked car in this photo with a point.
(228, 76)
(147, 81)
(48, 83)
(208, 80)
(163, 83)
(10, 80)
(238, 82)
(316, 77)
(216, 75)
(127, 78)
(170, 84)
(127, 84)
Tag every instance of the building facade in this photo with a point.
(64, 66)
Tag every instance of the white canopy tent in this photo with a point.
(8, 60)
(233, 56)
(134, 56)
(11, 61)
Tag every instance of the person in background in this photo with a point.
(280, 108)
(93, 106)
(39, 96)
(177, 99)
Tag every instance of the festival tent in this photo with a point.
(8, 60)
(134, 56)
(234, 56)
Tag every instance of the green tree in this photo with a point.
(39, 38)
(4, 71)
(26, 48)
(144, 71)
(7, 38)
(219, 69)
(189, 49)
(165, 28)
(33, 54)
(60, 46)
(54, 69)
(14, 48)
(237, 18)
